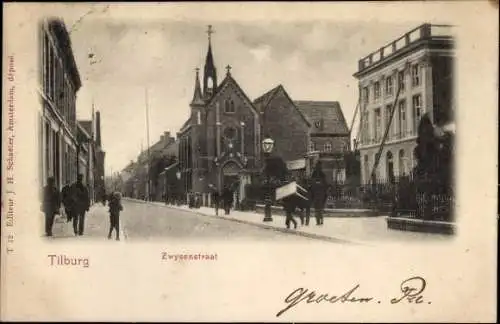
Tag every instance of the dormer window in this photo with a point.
(229, 107)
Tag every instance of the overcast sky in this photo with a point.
(313, 60)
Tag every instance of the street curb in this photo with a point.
(277, 229)
(330, 212)
(287, 231)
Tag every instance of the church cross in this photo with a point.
(210, 31)
(228, 68)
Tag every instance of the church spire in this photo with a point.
(197, 97)
(210, 75)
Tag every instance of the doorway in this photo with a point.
(230, 175)
(390, 166)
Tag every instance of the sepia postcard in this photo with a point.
(250, 161)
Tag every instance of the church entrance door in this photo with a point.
(230, 175)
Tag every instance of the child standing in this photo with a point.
(115, 206)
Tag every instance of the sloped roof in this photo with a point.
(186, 124)
(261, 102)
(327, 114)
(226, 80)
(87, 125)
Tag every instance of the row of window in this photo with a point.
(403, 163)
(399, 120)
(327, 147)
(389, 83)
(60, 161)
(55, 83)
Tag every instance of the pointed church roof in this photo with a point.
(197, 96)
(227, 80)
(209, 60)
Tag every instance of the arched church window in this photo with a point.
(210, 83)
(229, 106)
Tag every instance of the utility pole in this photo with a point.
(147, 139)
(387, 129)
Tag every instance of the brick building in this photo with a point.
(421, 62)
(220, 143)
(59, 82)
(329, 136)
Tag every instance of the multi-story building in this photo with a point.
(150, 163)
(85, 153)
(420, 63)
(329, 136)
(59, 82)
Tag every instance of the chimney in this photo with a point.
(98, 128)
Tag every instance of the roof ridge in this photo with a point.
(267, 93)
(316, 101)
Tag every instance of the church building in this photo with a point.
(220, 143)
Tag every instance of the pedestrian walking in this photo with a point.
(215, 198)
(67, 200)
(305, 213)
(51, 204)
(289, 204)
(318, 193)
(227, 197)
(82, 204)
(115, 206)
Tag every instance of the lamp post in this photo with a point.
(179, 189)
(267, 148)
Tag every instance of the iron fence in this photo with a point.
(402, 197)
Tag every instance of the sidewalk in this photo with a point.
(368, 230)
(96, 224)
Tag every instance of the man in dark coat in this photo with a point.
(227, 196)
(82, 204)
(318, 193)
(51, 204)
(215, 198)
(305, 205)
(289, 205)
(67, 200)
(115, 206)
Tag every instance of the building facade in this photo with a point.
(220, 143)
(420, 65)
(329, 136)
(85, 152)
(59, 82)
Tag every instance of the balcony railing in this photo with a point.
(421, 32)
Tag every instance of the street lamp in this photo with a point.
(179, 190)
(267, 148)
